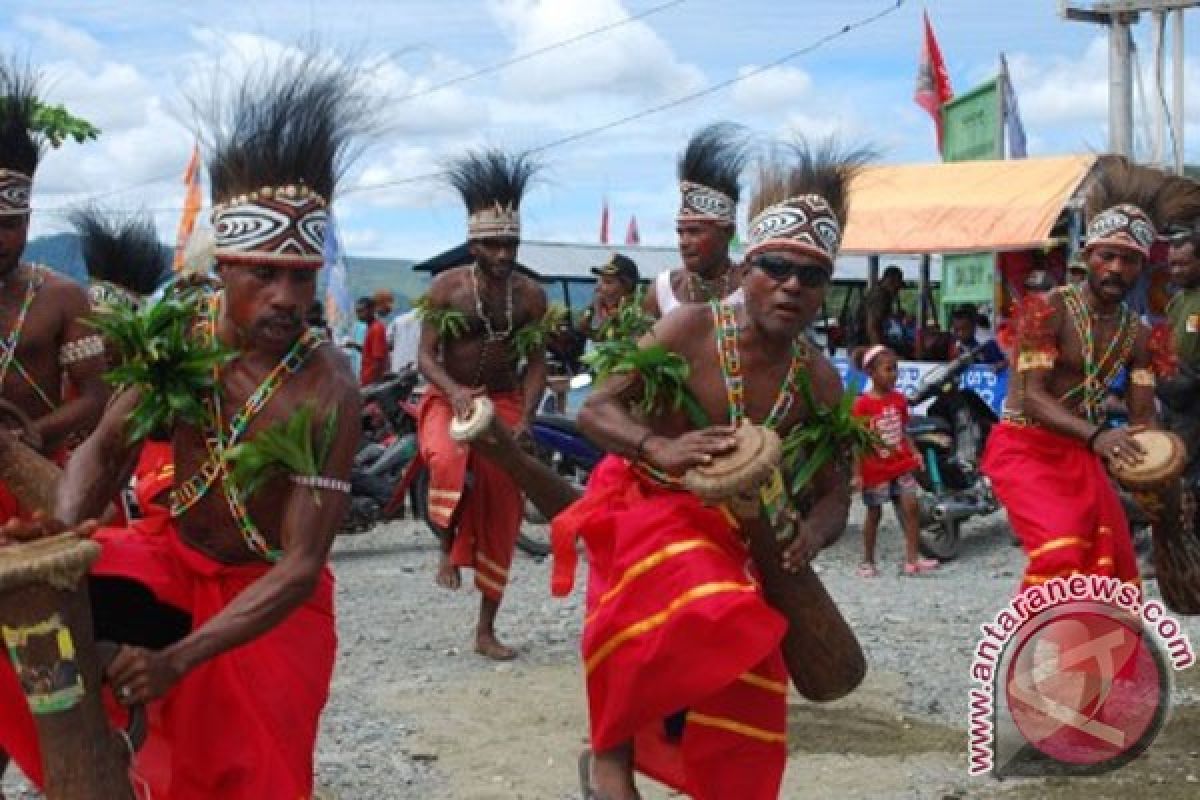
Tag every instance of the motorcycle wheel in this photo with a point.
(534, 545)
(940, 540)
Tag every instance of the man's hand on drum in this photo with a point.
(693, 449)
(16, 531)
(139, 676)
(802, 549)
(462, 400)
(1117, 445)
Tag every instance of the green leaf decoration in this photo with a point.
(532, 337)
(825, 433)
(155, 351)
(450, 323)
(293, 446)
(629, 323)
(57, 125)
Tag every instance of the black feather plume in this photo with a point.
(490, 176)
(121, 249)
(298, 119)
(20, 147)
(715, 157)
(798, 168)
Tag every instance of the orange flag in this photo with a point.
(191, 206)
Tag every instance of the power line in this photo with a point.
(646, 112)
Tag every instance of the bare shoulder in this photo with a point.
(444, 284)
(529, 289)
(63, 290)
(330, 372)
(685, 328)
(826, 380)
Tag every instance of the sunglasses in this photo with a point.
(780, 269)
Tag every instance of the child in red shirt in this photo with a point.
(886, 474)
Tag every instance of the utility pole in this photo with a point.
(1118, 16)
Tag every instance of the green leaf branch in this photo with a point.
(298, 445)
(156, 352)
(827, 432)
(531, 338)
(450, 323)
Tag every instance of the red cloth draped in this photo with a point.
(153, 475)
(1060, 503)
(491, 510)
(241, 726)
(676, 621)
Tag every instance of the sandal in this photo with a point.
(867, 570)
(921, 566)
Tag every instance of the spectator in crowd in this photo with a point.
(963, 322)
(935, 344)
(385, 302)
(616, 282)
(404, 334)
(374, 346)
(878, 316)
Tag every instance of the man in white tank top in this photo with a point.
(709, 171)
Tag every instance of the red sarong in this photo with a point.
(487, 516)
(241, 726)
(1061, 504)
(153, 475)
(676, 621)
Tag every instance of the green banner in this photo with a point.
(972, 128)
(967, 279)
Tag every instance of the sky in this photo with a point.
(129, 66)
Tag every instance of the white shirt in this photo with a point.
(667, 302)
(404, 334)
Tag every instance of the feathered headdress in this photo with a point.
(492, 183)
(801, 200)
(277, 144)
(1127, 205)
(122, 253)
(710, 171)
(21, 146)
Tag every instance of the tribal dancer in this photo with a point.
(678, 633)
(229, 617)
(45, 344)
(125, 263)
(1047, 458)
(482, 512)
(709, 173)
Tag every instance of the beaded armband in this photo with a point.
(1040, 359)
(1142, 377)
(322, 482)
(80, 350)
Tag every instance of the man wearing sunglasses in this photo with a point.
(709, 172)
(697, 604)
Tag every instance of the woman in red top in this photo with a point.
(886, 474)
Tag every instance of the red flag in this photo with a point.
(191, 206)
(933, 81)
(604, 223)
(631, 233)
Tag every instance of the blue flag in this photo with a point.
(1014, 129)
(339, 310)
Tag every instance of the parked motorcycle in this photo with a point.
(950, 438)
(388, 445)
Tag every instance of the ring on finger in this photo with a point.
(126, 692)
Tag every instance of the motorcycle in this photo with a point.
(950, 438)
(388, 445)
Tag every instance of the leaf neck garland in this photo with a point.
(220, 440)
(450, 323)
(826, 433)
(629, 322)
(294, 446)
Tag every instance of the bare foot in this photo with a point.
(448, 576)
(486, 644)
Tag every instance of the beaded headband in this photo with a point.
(805, 225)
(1125, 226)
(699, 203)
(497, 222)
(14, 193)
(282, 227)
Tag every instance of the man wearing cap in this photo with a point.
(1047, 458)
(709, 175)
(879, 311)
(616, 282)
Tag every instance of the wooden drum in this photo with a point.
(475, 424)
(1162, 464)
(46, 628)
(752, 464)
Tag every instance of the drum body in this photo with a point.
(46, 628)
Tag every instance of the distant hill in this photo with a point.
(61, 252)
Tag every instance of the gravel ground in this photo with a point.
(414, 713)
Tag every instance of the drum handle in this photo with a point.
(134, 733)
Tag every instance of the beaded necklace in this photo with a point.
(9, 344)
(714, 290)
(490, 333)
(219, 441)
(725, 316)
(1098, 374)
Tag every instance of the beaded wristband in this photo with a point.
(322, 482)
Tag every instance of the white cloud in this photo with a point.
(630, 60)
(60, 38)
(771, 90)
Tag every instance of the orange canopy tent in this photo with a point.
(962, 207)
